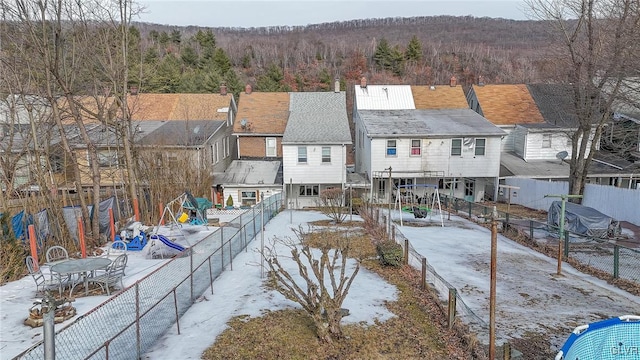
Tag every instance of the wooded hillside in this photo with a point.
(419, 50)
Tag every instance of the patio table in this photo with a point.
(82, 268)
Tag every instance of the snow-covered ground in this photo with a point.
(530, 295)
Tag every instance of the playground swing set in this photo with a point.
(425, 204)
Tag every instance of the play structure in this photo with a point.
(615, 338)
(133, 235)
(419, 206)
(185, 209)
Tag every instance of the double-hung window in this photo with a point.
(326, 155)
(391, 148)
(271, 147)
(309, 190)
(456, 147)
(416, 147)
(480, 146)
(302, 154)
(546, 141)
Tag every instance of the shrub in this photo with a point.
(389, 253)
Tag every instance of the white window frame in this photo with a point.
(217, 153)
(302, 155)
(478, 146)
(417, 147)
(271, 151)
(309, 190)
(459, 147)
(326, 158)
(248, 200)
(393, 147)
(227, 148)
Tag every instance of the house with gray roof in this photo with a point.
(314, 145)
(456, 149)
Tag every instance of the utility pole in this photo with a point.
(492, 290)
(564, 198)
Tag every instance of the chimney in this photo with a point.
(453, 81)
(133, 90)
(480, 80)
(363, 82)
(247, 89)
(223, 89)
(336, 85)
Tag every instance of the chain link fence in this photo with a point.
(604, 255)
(128, 324)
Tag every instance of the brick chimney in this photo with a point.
(336, 85)
(223, 89)
(133, 90)
(247, 89)
(453, 81)
(363, 82)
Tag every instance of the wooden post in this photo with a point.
(451, 310)
(83, 246)
(33, 244)
(406, 251)
(161, 210)
(112, 225)
(506, 351)
(136, 209)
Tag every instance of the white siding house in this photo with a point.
(455, 148)
(314, 146)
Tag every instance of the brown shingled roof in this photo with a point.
(443, 97)
(147, 106)
(507, 104)
(265, 112)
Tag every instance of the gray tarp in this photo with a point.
(103, 215)
(583, 220)
(71, 215)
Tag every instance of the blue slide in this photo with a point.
(167, 242)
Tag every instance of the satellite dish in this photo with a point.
(562, 155)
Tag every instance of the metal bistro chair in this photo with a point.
(114, 274)
(40, 279)
(54, 255)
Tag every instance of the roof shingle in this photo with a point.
(507, 104)
(264, 112)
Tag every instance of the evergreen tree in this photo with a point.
(221, 61)
(176, 36)
(233, 83)
(382, 56)
(167, 77)
(189, 56)
(271, 80)
(397, 61)
(414, 49)
(164, 39)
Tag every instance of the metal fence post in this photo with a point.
(48, 305)
(470, 205)
(393, 233)
(451, 310)
(138, 335)
(424, 273)
(616, 261)
(566, 244)
(531, 230)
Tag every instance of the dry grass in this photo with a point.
(416, 332)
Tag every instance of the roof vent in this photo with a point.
(453, 81)
(336, 85)
(432, 87)
(223, 89)
(363, 82)
(247, 89)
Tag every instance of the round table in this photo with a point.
(81, 267)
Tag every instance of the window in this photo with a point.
(228, 146)
(546, 141)
(216, 153)
(213, 154)
(480, 146)
(107, 158)
(271, 147)
(326, 154)
(308, 190)
(391, 148)
(456, 147)
(569, 141)
(302, 154)
(469, 187)
(416, 147)
(248, 197)
(224, 146)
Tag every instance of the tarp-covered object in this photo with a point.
(583, 220)
(103, 215)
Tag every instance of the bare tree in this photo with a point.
(599, 50)
(311, 289)
(332, 204)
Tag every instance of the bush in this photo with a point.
(389, 253)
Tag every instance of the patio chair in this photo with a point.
(113, 275)
(116, 249)
(56, 254)
(42, 283)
